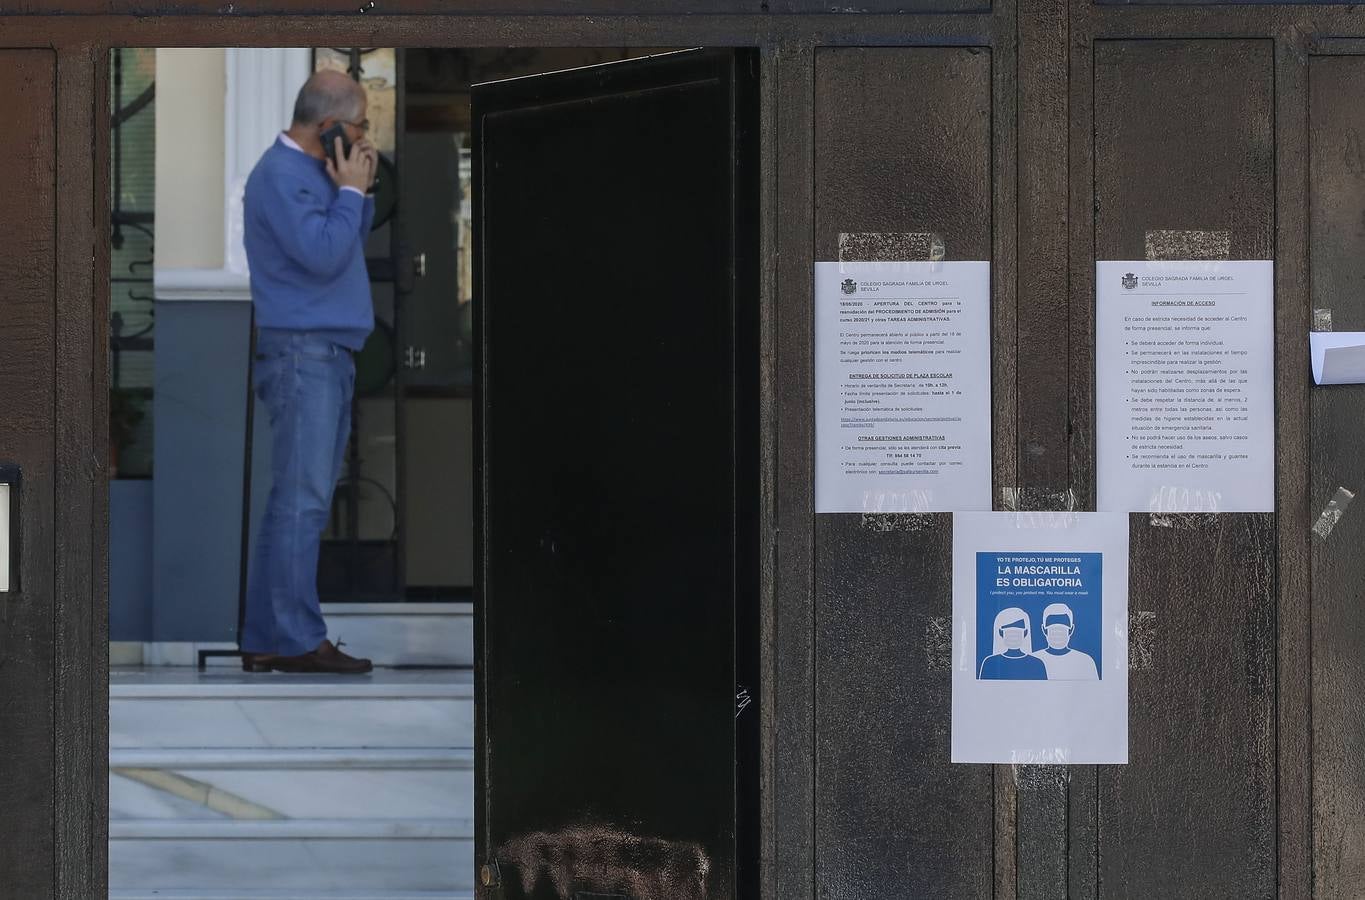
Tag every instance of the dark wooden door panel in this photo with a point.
(1184, 140)
(881, 6)
(902, 144)
(27, 437)
(315, 8)
(1337, 248)
(617, 476)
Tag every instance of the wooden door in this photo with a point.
(54, 764)
(617, 592)
(28, 233)
(1184, 141)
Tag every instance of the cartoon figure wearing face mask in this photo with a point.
(1011, 659)
(1063, 662)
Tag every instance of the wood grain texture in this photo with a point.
(878, 6)
(360, 8)
(1044, 477)
(1005, 388)
(1082, 857)
(789, 94)
(457, 7)
(1293, 439)
(28, 247)
(1193, 813)
(1337, 190)
(641, 23)
(1006, 249)
(99, 728)
(1042, 98)
(81, 609)
(902, 144)
(1122, 19)
(1184, 139)
(894, 818)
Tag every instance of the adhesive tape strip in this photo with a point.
(890, 246)
(1332, 513)
(1168, 245)
(1017, 499)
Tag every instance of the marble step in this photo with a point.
(444, 829)
(156, 707)
(290, 784)
(293, 758)
(390, 634)
(405, 634)
(292, 857)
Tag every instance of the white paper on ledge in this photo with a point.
(1338, 356)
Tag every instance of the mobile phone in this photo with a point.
(329, 139)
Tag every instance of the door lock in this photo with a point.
(415, 358)
(419, 265)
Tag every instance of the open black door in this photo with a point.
(616, 300)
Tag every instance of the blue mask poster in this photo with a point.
(1040, 651)
(1038, 616)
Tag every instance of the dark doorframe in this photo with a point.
(1042, 235)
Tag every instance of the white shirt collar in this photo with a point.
(290, 142)
(294, 145)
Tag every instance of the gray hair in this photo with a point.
(324, 96)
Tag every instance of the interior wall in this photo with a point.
(440, 510)
(200, 428)
(191, 86)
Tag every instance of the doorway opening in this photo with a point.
(264, 782)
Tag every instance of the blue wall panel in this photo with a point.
(200, 415)
(130, 560)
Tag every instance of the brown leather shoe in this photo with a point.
(257, 662)
(328, 657)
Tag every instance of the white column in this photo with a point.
(261, 87)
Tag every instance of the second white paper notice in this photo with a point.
(902, 386)
(1185, 386)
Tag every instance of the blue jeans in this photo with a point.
(305, 382)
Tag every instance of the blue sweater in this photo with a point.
(305, 244)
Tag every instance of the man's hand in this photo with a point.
(373, 153)
(355, 170)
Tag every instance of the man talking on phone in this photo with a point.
(307, 211)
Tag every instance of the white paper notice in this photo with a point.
(1040, 637)
(1184, 386)
(1338, 356)
(902, 386)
